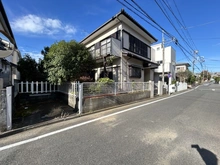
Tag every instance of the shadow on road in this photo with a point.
(208, 157)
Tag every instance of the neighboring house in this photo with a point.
(169, 62)
(182, 67)
(124, 47)
(181, 71)
(8, 65)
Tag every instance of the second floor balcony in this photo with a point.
(109, 46)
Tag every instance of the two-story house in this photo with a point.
(181, 71)
(169, 62)
(8, 65)
(182, 67)
(124, 47)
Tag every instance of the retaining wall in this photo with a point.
(97, 103)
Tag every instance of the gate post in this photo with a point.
(9, 107)
(80, 98)
(151, 85)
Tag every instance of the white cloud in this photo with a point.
(34, 54)
(33, 24)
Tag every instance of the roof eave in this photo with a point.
(116, 16)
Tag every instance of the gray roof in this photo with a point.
(186, 64)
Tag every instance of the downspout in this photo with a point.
(121, 62)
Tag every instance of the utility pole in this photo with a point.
(195, 52)
(163, 57)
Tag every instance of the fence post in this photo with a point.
(42, 87)
(32, 87)
(132, 84)
(160, 88)
(80, 98)
(26, 86)
(36, 86)
(151, 86)
(115, 89)
(9, 107)
(46, 86)
(22, 87)
(143, 86)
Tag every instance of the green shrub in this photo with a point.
(97, 87)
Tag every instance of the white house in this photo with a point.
(8, 65)
(124, 46)
(169, 62)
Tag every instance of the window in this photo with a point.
(135, 45)
(159, 62)
(92, 51)
(134, 72)
(106, 46)
(116, 35)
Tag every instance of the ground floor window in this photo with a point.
(134, 72)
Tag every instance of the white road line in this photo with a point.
(81, 124)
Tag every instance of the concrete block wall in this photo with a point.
(3, 111)
(97, 103)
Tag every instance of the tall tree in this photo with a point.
(27, 67)
(68, 61)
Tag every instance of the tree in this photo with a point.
(68, 61)
(191, 78)
(186, 76)
(205, 75)
(182, 76)
(28, 68)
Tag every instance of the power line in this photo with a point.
(151, 19)
(184, 25)
(138, 14)
(211, 38)
(170, 20)
(167, 16)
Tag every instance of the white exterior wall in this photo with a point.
(169, 59)
(105, 35)
(135, 34)
(181, 68)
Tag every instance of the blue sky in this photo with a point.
(39, 23)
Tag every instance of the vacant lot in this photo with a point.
(34, 113)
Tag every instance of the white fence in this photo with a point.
(45, 87)
(89, 88)
(181, 86)
(35, 87)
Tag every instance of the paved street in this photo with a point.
(183, 129)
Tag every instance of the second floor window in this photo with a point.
(136, 46)
(106, 46)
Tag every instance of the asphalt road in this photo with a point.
(182, 129)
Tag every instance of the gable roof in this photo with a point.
(180, 64)
(122, 12)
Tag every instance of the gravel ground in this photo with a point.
(34, 113)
